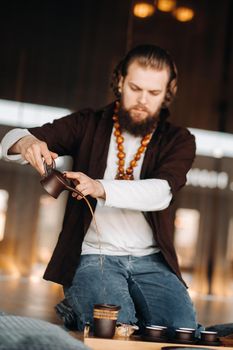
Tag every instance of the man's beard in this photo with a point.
(141, 128)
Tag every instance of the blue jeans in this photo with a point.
(145, 288)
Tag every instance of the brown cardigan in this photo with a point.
(85, 135)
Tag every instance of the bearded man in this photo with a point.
(131, 162)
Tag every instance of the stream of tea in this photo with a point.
(101, 257)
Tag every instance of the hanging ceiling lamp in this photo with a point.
(180, 9)
(143, 9)
(184, 10)
(183, 13)
(166, 5)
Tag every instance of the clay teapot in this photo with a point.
(55, 182)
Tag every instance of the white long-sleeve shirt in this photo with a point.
(123, 228)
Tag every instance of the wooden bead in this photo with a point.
(145, 142)
(121, 173)
(120, 147)
(133, 163)
(121, 162)
(129, 171)
(117, 133)
(137, 156)
(128, 177)
(147, 137)
(120, 139)
(120, 176)
(121, 155)
(141, 149)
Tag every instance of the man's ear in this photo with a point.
(120, 84)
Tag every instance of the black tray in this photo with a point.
(154, 339)
(179, 341)
(211, 343)
(183, 348)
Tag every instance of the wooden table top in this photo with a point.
(132, 343)
(122, 344)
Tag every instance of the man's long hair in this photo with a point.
(150, 56)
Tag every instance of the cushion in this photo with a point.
(24, 333)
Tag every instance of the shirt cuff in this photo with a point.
(9, 140)
(101, 202)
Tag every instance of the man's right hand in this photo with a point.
(34, 151)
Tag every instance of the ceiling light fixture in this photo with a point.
(183, 14)
(180, 9)
(143, 9)
(166, 5)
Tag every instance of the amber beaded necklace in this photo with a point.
(127, 174)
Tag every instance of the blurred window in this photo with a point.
(4, 195)
(229, 254)
(186, 234)
(49, 224)
(27, 114)
(209, 143)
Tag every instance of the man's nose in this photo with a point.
(142, 97)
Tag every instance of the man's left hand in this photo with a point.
(85, 185)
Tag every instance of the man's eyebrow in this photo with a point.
(155, 90)
(138, 87)
(131, 83)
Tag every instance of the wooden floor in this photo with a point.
(33, 298)
(37, 298)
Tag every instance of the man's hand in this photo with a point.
(34, 151)
(86, 185)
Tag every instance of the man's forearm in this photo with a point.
(15, 148)
(143, 195)
(22, 147)
(10, 146)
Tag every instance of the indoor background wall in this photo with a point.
(61, 53)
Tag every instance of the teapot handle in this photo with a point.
(49, 167)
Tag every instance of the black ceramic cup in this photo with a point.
(188, 329)
(104, 320)
(184, 335)
(208, 336)
(155, 331)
